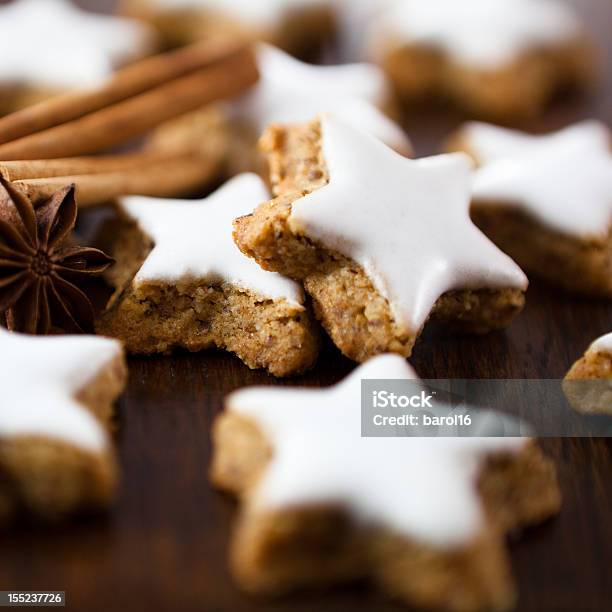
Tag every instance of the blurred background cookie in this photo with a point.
(546, 200)
(289, 91)
(57, 405)
(588, 384)
(498, 59)
(302, 27)
(423, 519)
(51, 46)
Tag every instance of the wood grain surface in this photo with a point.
(164, 545)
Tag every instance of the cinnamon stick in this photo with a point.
(112, 125)
(126, 83)
(49, 168)
(178, 175)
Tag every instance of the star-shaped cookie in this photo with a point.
(290, 91)
(57, 398)
(380, 242)
(547, 200)
(495, 58)
(184, 283)
(486, 33)
(53, 44)
(422, 517)
(487, 143)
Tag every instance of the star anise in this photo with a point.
(39, 267)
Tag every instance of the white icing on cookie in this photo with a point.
(40, 379)
(485, 34)
(290, 91)
(193, 240)
(425, 488)
(53, 43)
(489, 143)
(564, 180)
(405, 222)
(602, 345)
(259, 13)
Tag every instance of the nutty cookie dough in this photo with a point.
(497, 59)
(546, 200)
(421, 518)
(57, 403)
(182, 282)
(380, 242)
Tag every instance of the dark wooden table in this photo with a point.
(164, 545)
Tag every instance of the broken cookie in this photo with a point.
(380, 242)
(182, 282)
